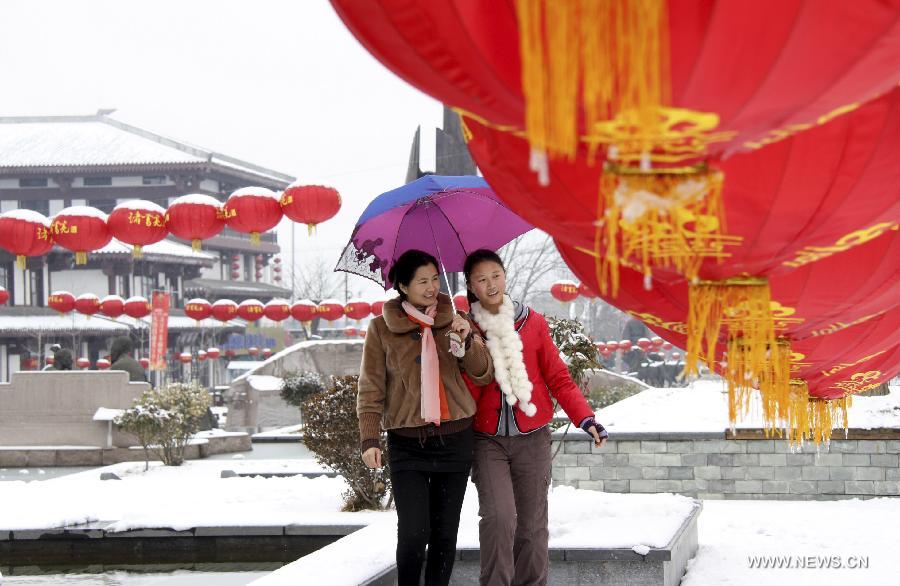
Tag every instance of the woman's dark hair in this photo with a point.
(406, 266)
(479, 256)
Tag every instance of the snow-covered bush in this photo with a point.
(578, 348)
(163, 420)
(297, 387)
(332, 434)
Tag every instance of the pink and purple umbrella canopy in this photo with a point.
(446, 216)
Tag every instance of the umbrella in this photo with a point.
(447, 216)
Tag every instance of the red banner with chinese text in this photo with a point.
(159, 330)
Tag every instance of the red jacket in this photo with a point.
(549, 377)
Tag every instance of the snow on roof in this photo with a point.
(28, 216)
(84, 141)
(60, 323)
(164, 247)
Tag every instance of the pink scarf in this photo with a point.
(433, 401)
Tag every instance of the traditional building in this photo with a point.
(48, 163)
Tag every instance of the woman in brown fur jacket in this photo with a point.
(412, 386)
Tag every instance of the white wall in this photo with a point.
(80, 281)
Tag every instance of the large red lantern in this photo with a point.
(251, 310)
(112, 306)
(61, 301)
(103, 364)
(461, 301)
(139, 223)
(137, 307)
(377, 308)
(357, 309)
(213, 353)
(80, 229)
(25, 233)
(87, 304)
(4, 295)
(310, 204)
(195, 217)
(330, 309)
(224, 310)
(564, 291)
(303, 311)
(198, 309)
(277, 310)
(252, 210)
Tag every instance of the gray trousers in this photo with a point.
(512, 475)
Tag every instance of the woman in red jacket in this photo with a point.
(511, 468)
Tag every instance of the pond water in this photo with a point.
(149, 575)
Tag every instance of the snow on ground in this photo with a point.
(289, 432)
(731, 532)
(703, 407)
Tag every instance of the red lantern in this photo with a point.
(564, 291)
(112, 306)
(61, 301)
(230, 353)
(676, 356)
(103, 364)
(277, 310)
(25, 233)
(606, 352)
(195, 217)
(277, 260)
(50, 360)
(252, 210)
(461, 300)
(258, 275)
(185, 357)
(87, 304)
(656, 341)
(201, 355)
(362, 333)
(351, 332)
(586, 291)
(235, 266)
(303, 311)
(82, 363)
(266, 352)
(139, 223)
(310, 204)
(137, 307)
(612, 345)
(600, 346)
(224, 310)
(277, 278)
(250, 310)
(198, 309)
(276, 268)
(253, 351)
(235, 275)
(80, 229)
(330, 309)
(667, 346)
(644, 344)
(212, 353)
(357, 309)
(625, 345)
(145, 363)
(377, 308)
(4, 296)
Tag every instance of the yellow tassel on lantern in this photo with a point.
(814, 419)
(311, 230)
(254, 238)
(744, 377)
(80, 258)
(195, 244)
(21, 261)
(136, 251)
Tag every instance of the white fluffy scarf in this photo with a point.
(505, 346)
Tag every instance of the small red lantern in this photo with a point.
(277, 278)
(252, 210)
(224, 310)
(600, 347)
(644, 344)
(277, 260)
(235, 275)
(612, 345)
(139, 223)
(676, 356)
(357, 309)
(250, 310)
(80, 229)
(201, 355)
(461, 300)
(310, 204)
(277, 310)
(586, 292)
(87, 304)
(112, 306)
(235, 266)
(303, 311)
(258, 275)
(230, 353)
(185, 357)
(198, 309)
(253, 351)
(351, 332)
(137, 307)
(50, 360)
(377, 308)
(25, 233)
(212, 353)
(266, 352)
(61, 301)
(606, 352)
(145, 363)
(625, 345)
(362, 333)
(82, 363)
(103, 364)
(564, 291)
(276, 269)
(195, 217)
(656, 341)
(4, 295)
(667, 346)
(330, 309)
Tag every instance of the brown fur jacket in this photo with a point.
(390, 374)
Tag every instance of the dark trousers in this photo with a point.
(428, 507)
(512, 475)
